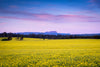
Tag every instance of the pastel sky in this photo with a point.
(63, 16)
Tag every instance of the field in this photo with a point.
(32, 52)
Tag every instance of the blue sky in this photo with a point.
(63, 16)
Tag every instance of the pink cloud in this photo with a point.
(44, 16)
(56, 18)
(49, 17)
(75, 16)
(85, 11)
(8, 17)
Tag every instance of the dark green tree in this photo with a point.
(9, 36)
(21, 38)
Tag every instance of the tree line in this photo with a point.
(10, 35)
(59, 36)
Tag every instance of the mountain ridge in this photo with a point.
(55, 33)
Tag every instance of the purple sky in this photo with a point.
(63, 16)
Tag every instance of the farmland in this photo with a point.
(32, 52)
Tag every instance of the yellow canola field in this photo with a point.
(32, 52)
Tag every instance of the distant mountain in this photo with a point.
(55, 33)
(51, 33)
(44, 33)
